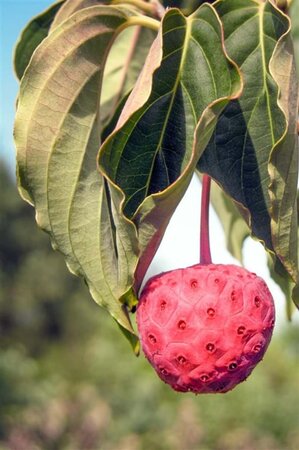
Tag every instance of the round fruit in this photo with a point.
(205, 328)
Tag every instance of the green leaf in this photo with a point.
(110, 124)
(57, 138)
(72, 6)
(295, 27)
(283, 164)
(186, 6)
(125, 61)
(253, 152)
(34, 33)
(151, 155)
(280, 276)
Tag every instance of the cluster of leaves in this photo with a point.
(66, 379)
(122, 101)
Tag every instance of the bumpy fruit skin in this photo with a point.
(205, 328)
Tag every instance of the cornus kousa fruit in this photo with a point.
(205, 328)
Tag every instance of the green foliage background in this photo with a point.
(69, 382)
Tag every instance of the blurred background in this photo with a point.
(68, 378)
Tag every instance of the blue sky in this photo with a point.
(14, 15)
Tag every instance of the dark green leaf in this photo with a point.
(253, 152)
(111, 124)
(151, 154)
(154, 138)
(34, 33)
(186, 6)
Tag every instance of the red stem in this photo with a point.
(205, 252)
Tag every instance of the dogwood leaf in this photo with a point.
(253, 152)
(150, 155)
(124, 62)
(72, 6)
(57, 138)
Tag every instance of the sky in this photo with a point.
(180, 246)
(14, 15)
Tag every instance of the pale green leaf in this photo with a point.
(294, 13)
(125, 59)
(283, 164)
(57, 138)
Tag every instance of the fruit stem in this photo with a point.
(205, 252)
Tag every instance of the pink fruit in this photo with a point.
(205, 328)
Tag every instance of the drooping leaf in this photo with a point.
(283, 164)
(57, 138)
(253, 152)
(186, 82)
(32, 35)
(144, 155)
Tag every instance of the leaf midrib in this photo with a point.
(188, 36)
(265, 90)
(174, 91)
(261, 37)
(96, 115)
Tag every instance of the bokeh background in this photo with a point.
(69, 380)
